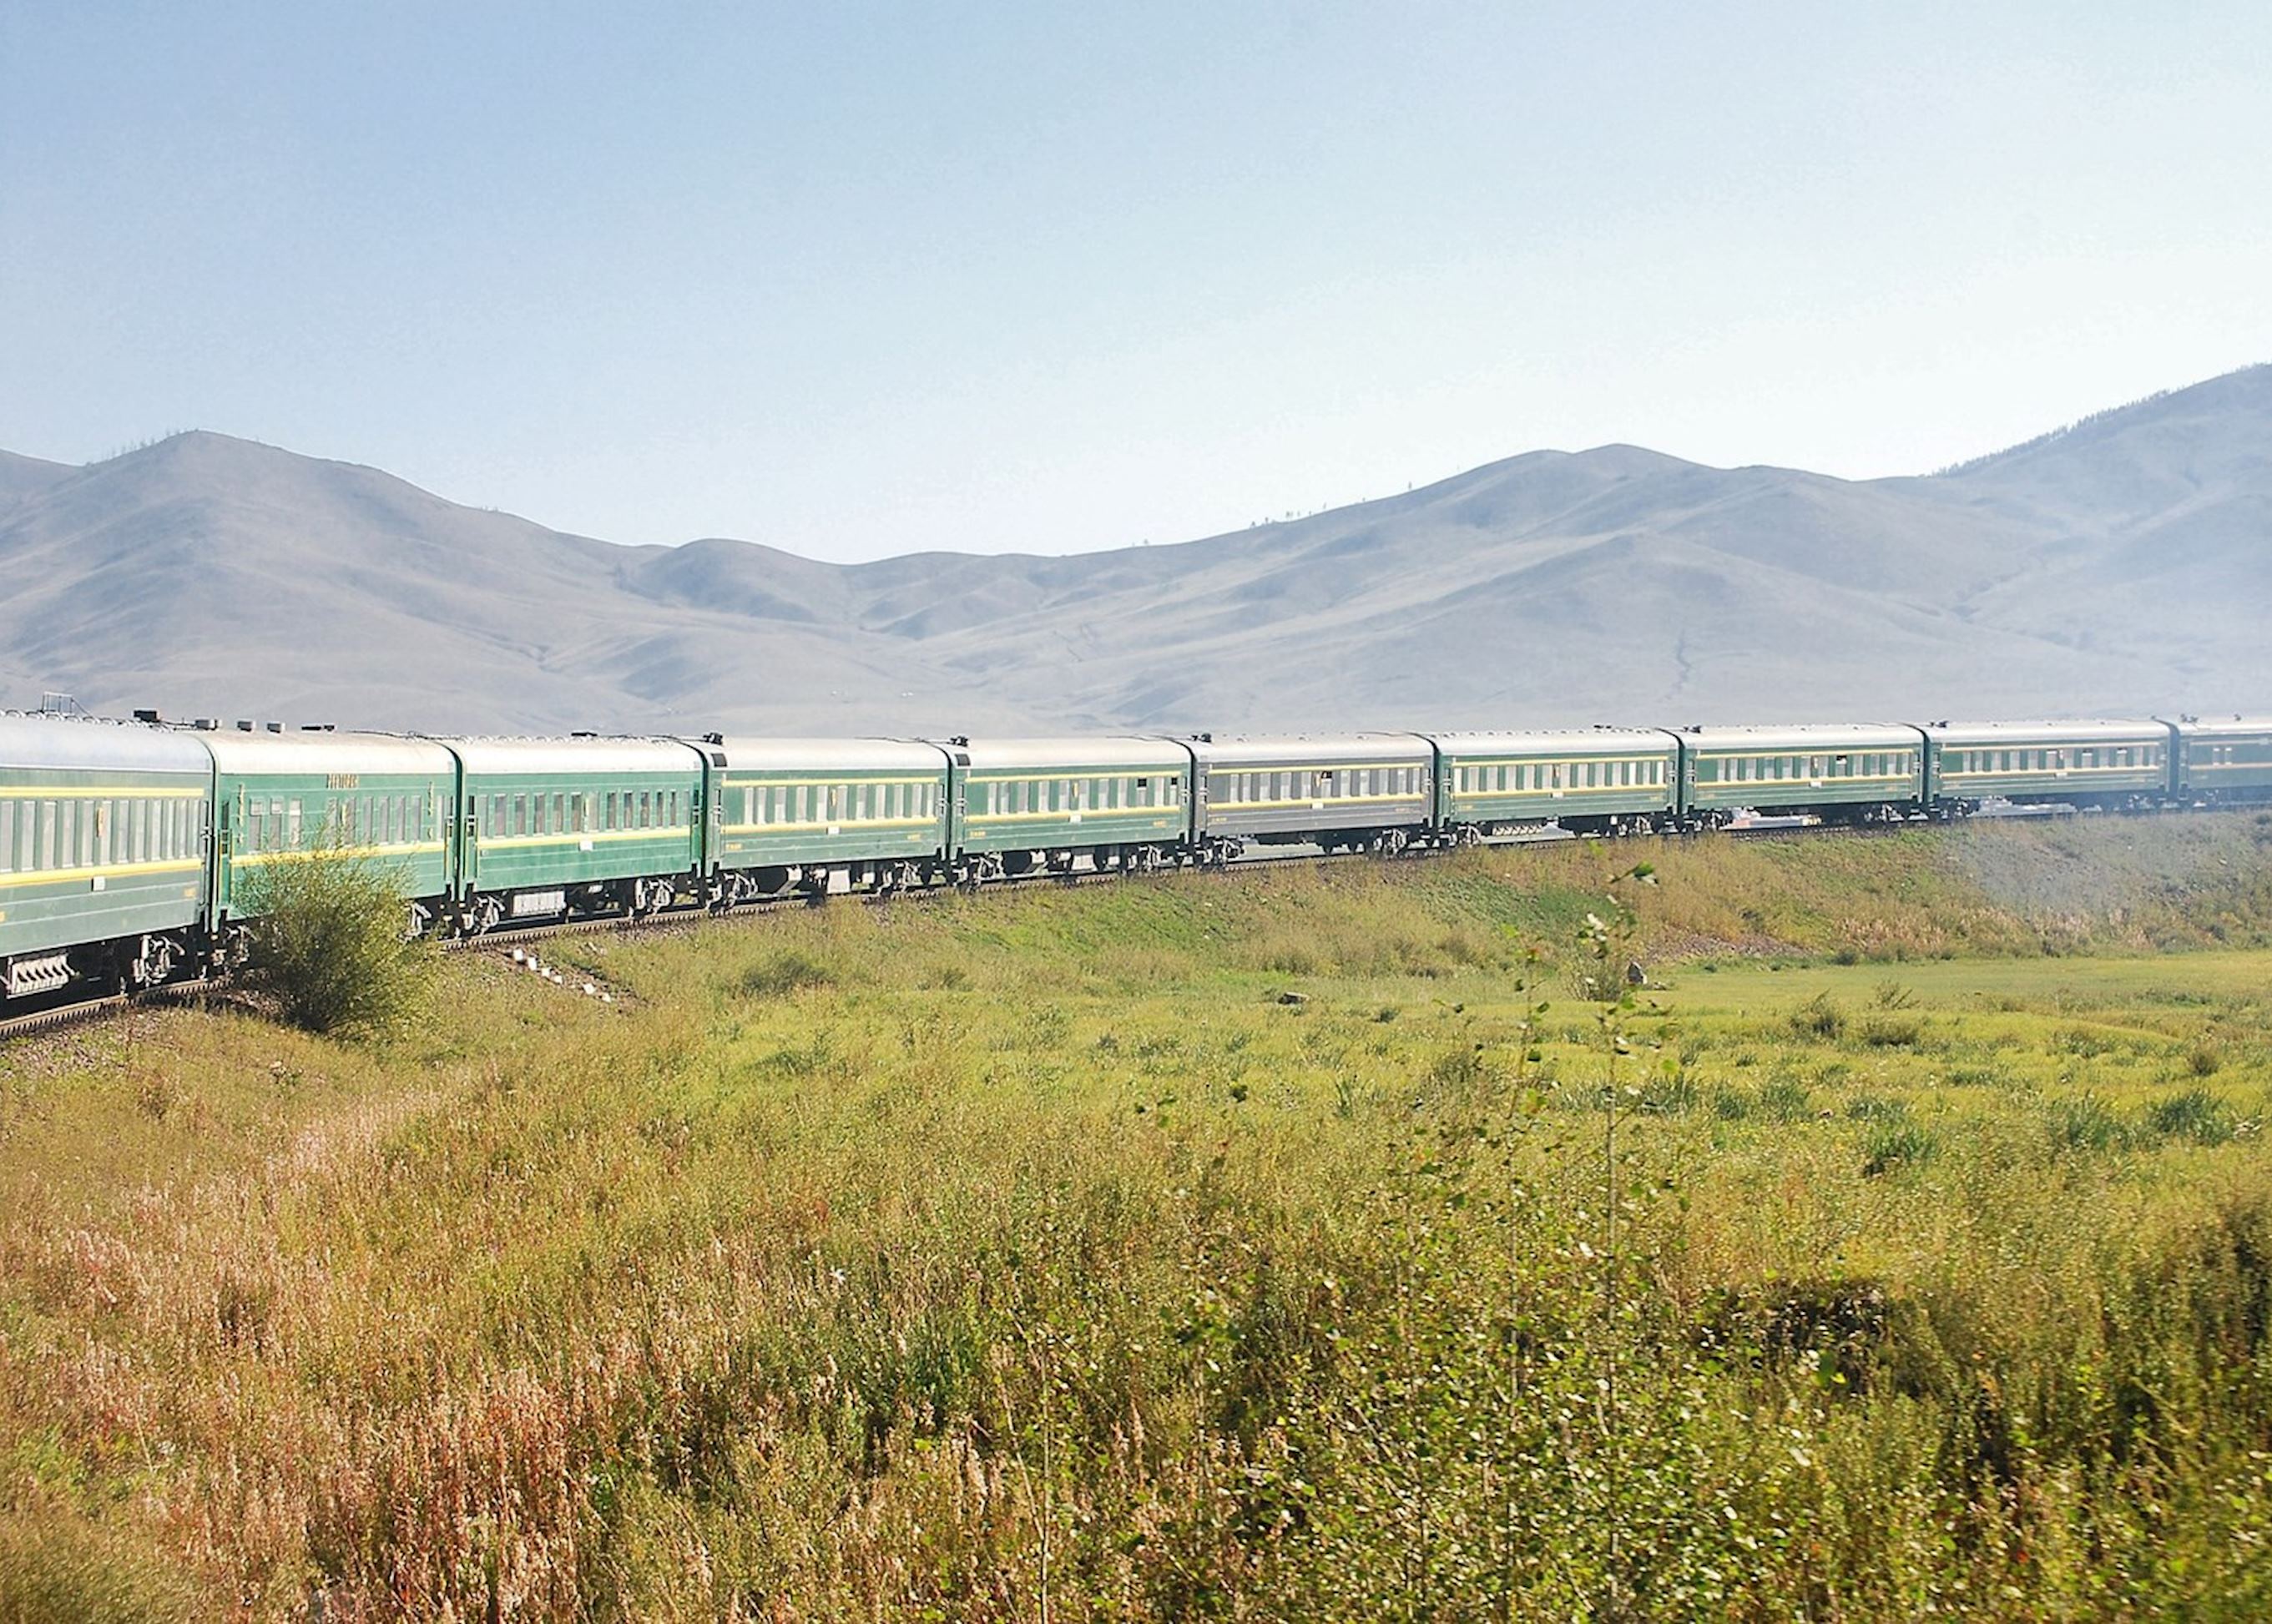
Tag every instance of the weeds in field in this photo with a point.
(1028, 1254)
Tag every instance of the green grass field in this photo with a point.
(1292, 1244)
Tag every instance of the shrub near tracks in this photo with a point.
(328, 942)
(929, 1261)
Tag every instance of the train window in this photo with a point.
(255, 826)
(7, 837)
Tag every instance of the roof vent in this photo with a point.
(146, 716)
(583, 732)
(715, 738)
(205, 724)
(243, 725)
(961, 741)
(274, 726)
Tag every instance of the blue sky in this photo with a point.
(858, 279)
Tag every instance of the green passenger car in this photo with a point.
(2224, 761)
(1590, 781)
(1023, 804)
(1836, 773)
(548, 827)
(2080, 764)
(377, 797)
(798, 811)
(103, 834)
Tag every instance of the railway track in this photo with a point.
(503, 939)
(85, 1009)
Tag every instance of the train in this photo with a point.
(129, 850)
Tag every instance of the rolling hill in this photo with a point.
(2121, 565)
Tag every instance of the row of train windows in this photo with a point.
(1775, 769)
(1551, 775)
(831, 803)
(1006, 797)
(581, 812)
(2223, 754)
(2050, 760)
(288, 824)
(1326, 784)
(75, 833)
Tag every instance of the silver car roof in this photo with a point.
(77, 744)
(563, 756)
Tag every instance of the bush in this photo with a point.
(56, 1567)
(1891, 1032)
(1819, 1016)
(330, 943)
(1896, 1144)
(2196, 1115)
(1784, 1100)
(2086, 1123)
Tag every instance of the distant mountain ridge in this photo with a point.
(2121, 565)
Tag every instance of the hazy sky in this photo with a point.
(857, 279)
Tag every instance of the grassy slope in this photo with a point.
(933, 1259)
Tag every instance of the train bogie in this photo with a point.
(103, 829)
